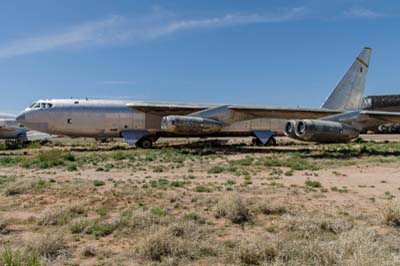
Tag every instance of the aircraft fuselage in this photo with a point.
(109, 118)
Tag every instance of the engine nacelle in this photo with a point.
(325, 131)
(190, 125)
(290, 129)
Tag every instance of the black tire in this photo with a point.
(257, 142)
(145, 143)
(271, 142)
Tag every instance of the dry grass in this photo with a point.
(272, 208)
(179, 240)
(184, 215)
(256, 252)
(391, 215)
(232, 207)
(50, 245)
(17, 188)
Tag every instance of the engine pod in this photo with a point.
(290, 129)
(190, 125)
(325, 131)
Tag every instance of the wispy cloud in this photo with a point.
(120, 30)
(362, 13)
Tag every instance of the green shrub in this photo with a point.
(202, 189)
(177, 184)
(69, 157)
(101, 229)
(311, 183)
(102, 212)
(13, 257)
(158, 169)
(40, 184)
(216, 170)
(98, 183)
(157, 211)
(72, 167)
(79, 226)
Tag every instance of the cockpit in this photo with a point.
(41, 105)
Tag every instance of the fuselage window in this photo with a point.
(69, 121)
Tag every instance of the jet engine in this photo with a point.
(190, 125)
(322, 131)
(290, 129)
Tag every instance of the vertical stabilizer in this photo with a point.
(349, 92)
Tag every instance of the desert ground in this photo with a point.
(192, 202)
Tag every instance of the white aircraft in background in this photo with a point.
(11, 130)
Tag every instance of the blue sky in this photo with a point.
(268, 52)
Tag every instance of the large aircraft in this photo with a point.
(11, 130)
(142, 123)
(388, 103)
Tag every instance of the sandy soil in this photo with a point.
(360, 186)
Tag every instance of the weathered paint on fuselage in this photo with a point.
(85, 118)
(108, 118)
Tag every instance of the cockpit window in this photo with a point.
(41, 105)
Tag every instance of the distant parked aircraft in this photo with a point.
(11, 130)
(388, 103)
(142, 123)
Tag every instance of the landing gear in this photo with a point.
(270, 142)
(145, 143)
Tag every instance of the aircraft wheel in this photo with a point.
(145, 143)
(271, 142)
(256, 142)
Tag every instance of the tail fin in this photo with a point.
(349, 93)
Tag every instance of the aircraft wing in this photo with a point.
(283, 112)
(164, 109)
(239, 112)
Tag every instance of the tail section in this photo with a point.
(349, 93)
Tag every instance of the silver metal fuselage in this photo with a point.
(108, 118)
